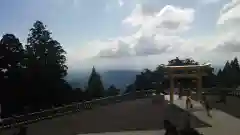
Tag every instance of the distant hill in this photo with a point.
(120, 78)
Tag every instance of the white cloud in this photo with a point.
(119, 49)
(230, 13)
(159, 37)
(136, 17)
(228, 23)
(121, 3)
(170, 18)
(157, 32)
(209, 1)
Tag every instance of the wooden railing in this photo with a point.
(20, 120)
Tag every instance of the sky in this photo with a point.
(131, 34)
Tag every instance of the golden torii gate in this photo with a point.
(190, 71)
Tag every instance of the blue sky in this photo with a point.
(130, 33)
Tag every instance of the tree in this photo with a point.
(226, 75)
(95, 87)
(46, 67)
(77, 95)
(235, 72)
(130, 88)
(144, 80)
(11, 73)
(179, 62)
(112, 91)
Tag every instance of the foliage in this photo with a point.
(45, 63)
(229, 76)
(179, 62)
(155, 79)
(112, 91)
(11, 71)
(95, 87)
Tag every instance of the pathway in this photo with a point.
(139, 117)
(221, 122)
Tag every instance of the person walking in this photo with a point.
(207, 106)
(188, 100)
(180, 91)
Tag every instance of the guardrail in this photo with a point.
(20, 120)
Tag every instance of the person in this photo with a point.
(180, 92)
(170, 128)
(207, 106)
(188, 100)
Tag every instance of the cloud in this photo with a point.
(156, 33)
(121, 3)
(228, 24)
(170, 17)
(230, 13)
(121, 49)
(209, 1)
(159, 37)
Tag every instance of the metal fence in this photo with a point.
(20, 120)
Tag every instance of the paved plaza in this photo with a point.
(139, 117)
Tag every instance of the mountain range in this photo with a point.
(119, 78)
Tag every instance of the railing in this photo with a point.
(219, 91)
(16, 121)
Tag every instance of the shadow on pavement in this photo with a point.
(141, 114)
(230, 107)
(177, 116)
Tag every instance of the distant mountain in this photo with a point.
(120, 78)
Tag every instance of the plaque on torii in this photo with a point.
(189, 71)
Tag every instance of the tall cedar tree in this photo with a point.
(95, 87)
(11, 71)
(46, 66)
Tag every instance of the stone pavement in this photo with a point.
(221, 122)
(142, 115)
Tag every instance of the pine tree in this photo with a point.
(46, 66)
(226, 75)
(235, 72)
(95, 87)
